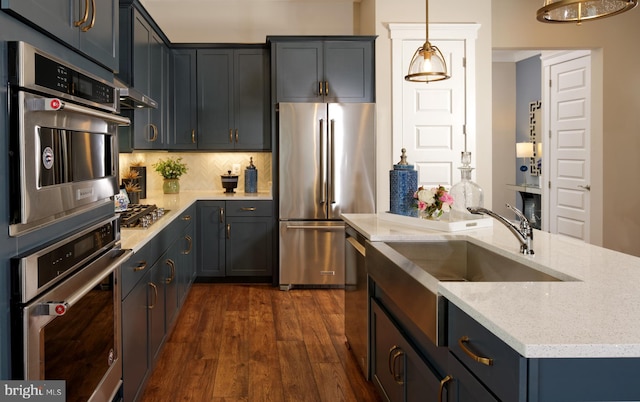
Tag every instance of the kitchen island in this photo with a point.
(575, 339)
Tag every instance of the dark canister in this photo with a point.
(229, 182)
(251, 178)
(403, 183)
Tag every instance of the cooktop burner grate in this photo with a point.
(140, 216)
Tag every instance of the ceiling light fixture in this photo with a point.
(427, 64)
(561, 11)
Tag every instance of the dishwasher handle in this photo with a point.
(357, 245)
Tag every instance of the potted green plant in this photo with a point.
(171, 169)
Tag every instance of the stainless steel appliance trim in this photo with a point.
(131, 98)
(70, 291)
(309, 250)
(44, 105)
(356, 298)
(28, 264)
(26, 55)
(39, 206)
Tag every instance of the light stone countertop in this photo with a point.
(174, 205)
(597, 315)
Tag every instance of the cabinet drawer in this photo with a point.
(466, 388)
(504, 373)
(138, 265)
(249, 208)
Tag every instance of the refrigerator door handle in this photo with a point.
(322, 228)
(332, 165)
(323, 165)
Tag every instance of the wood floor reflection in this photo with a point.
(257, 343)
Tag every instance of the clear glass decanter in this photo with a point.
(465, 193)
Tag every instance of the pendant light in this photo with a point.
(427, 64)
(560, 11)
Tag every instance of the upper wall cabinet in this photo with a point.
(233, 99)
(144, 65)
(185, 102)
(327, 69)
(89, 26)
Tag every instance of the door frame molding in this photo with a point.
(596, 207)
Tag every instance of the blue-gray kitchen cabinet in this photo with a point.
(152, 294)
(97, 40)
(211, 241)
(235, 239)
(249, 238)
(144, 65)
(185, 101)
(399, 372)
(186, 244)
(233, 99)
(135, 339)
(511, 377)
(323, 69)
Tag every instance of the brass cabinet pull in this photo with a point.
(93, 17)
(228, 230)
(248, 209)
(236, 135)
(482, 360)
(326, 88)
(155, 299)
(85, 17)
(154, 130)
(394, 353)
(190, 240)
(186, 218)
(319, 88)
(221, 215)
(141, 266)
(443, 382)
(172, 272)
(193, 136)
(230, 135)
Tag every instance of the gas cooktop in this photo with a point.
(140, 216)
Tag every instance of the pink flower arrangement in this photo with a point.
(433, 202)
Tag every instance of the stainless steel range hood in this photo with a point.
(130, 98)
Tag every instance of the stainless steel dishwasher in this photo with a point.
(356, 298)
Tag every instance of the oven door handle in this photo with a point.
(79, 294)
(55, 104)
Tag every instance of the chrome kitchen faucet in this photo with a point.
(524, 233)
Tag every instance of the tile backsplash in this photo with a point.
(204, 169)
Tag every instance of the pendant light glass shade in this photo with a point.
(576, 11)
(427, 63)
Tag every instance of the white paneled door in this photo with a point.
(433, 117)
(434, 121)
(569, 123)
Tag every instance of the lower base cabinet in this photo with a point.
(235, 238)
(155, 281)
(398, 370)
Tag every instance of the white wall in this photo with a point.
(504, 138)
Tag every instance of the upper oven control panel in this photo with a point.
(36, 70)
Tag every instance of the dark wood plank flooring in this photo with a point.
(257, 343)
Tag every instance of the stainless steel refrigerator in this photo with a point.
(326, 166)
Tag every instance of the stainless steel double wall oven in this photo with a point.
(65, 296)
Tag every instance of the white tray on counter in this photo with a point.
(444, 224)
